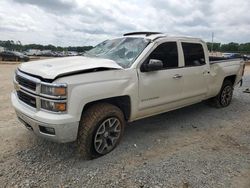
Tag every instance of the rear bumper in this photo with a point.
(65, 126)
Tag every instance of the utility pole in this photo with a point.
(212, 45)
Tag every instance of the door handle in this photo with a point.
(177, 76)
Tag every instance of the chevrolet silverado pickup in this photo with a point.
(90, 98)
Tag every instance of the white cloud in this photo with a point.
(82, 22)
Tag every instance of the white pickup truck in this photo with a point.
(90, 98)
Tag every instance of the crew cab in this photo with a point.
(90, 98)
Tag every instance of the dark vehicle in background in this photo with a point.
(236, 55)
(13, 56)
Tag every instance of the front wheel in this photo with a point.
(224, 98)
(100, 130)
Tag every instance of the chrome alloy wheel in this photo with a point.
(107, 135)
(226, 95)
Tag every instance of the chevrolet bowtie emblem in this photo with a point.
(16, 86)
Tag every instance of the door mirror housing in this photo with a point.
(153, 65)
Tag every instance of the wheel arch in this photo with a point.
(122, 102)
(231, 78)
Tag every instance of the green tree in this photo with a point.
(216, 46)
(230, 47)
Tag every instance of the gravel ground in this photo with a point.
(197, 146)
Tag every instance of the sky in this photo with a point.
(80, 22)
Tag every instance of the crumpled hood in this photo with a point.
(52, 68)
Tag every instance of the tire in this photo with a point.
(95, 135)
(224, 98)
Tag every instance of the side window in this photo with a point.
(167, 53)
(193, 54)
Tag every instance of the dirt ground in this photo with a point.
(197, 146)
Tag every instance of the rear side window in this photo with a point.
(167, 53)
(193, 54)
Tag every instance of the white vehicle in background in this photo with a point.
(90, 98)
(72, 53)
(33, 52)
(232, 55)
(48, 53)
(226, 55)
(1, 49)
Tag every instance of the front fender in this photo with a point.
(114, 83)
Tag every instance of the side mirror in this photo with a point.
(153, 65)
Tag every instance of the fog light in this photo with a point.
(47, 130)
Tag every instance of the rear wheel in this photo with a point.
(224, 98)
(100, 130)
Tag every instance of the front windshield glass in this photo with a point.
(123, 51)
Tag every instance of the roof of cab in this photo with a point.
(156, 35)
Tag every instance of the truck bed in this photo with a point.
(213, 59)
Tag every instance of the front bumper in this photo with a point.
(65, 126)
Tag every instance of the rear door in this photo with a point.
(194, 72)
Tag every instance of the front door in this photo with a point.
(160, 90)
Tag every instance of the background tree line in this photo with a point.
(243, 48)
(17, 46)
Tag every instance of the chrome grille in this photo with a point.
(28, 99)
(26, 83)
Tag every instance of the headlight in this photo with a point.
(56, 95)
(53, 106)
(54, 90)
